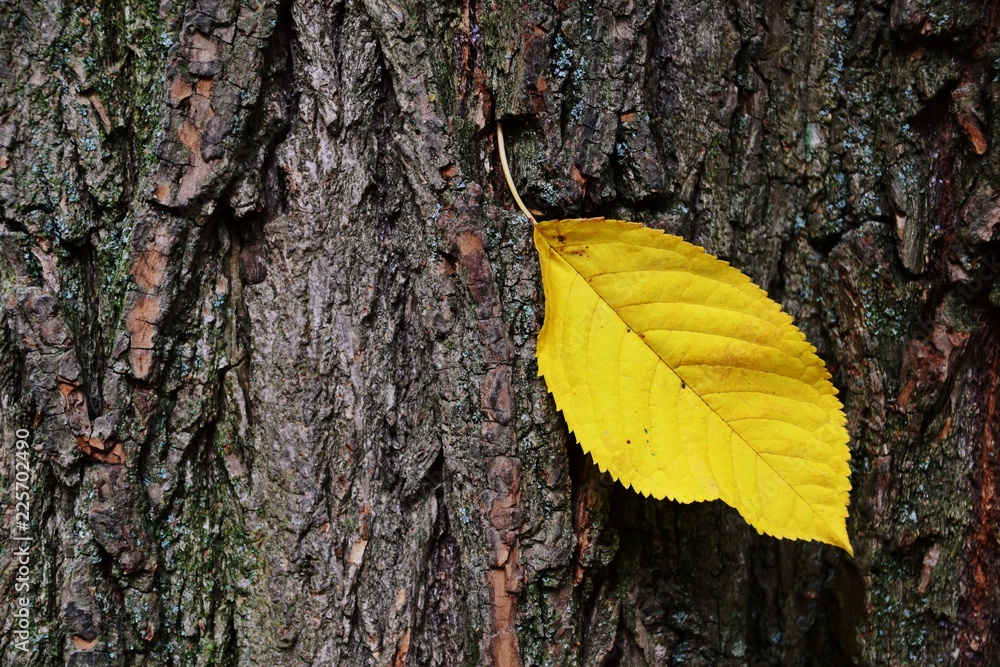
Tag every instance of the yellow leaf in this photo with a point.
(685, 381)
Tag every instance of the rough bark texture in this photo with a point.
(269, 319)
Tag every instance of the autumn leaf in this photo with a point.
(683, 380)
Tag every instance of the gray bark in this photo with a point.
(268, 315)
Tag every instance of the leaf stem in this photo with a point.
(506, 174)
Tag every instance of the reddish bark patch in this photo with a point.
(204, 53)
(478, 273)
(980, 616)
(141, 326)
(973, 131)
(190, 137)
(402, 649)
(179, 91)
(204, 88)
(981, 215)
(106, 452)
(582, 523)
(194, 102)
(149, 264)
(162, 192)
(148, 268)
(496, 395)
(75, 404)
(537, 64)
(931, 559)
(54, 333)
(449, 171)
(141, 362)
(141, 321)
(474, 96)
(102, 113)
(927, 365)
(505, 577)
(969, 113)
(117, 519)
(503, 643)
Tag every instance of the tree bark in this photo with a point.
(268, 322)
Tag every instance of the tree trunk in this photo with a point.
(268, 324)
